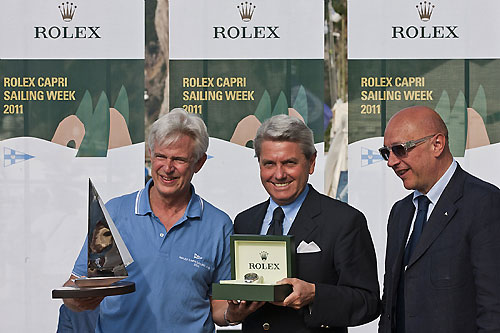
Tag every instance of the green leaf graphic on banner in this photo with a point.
(84, 111)
(456, 121)
(263, 110)
(300, 104)
(457, 126)
(479, 103)
(443, 106)
(281, 106)
(95, 141)
(121, 104)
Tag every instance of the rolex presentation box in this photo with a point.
(257, 263)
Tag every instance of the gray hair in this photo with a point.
(285, 128)
(170, 127)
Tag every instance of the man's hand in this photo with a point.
(233, 311)
(302, 295)
(237, 311)
(80, 304)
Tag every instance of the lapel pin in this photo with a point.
(445, 213)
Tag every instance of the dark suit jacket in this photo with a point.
(344, 271)
(452, 281)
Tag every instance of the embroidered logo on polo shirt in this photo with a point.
(197, 256)
(196, 262)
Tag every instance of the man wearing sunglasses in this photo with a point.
(442, 266)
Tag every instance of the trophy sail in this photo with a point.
(107, 254)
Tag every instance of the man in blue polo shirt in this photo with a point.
(179, 242)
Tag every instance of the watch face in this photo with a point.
(251, 277)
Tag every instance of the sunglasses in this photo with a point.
(401, 149)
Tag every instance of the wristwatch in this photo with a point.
(251, 277)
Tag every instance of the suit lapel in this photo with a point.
(304, 222)
(260, 213)
(441, 215)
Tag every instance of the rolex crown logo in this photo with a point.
(67, 10)
(263, 255)
(424, 10)
(246, 10)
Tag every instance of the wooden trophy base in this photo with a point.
(117, 288)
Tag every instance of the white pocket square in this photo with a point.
(308, 247)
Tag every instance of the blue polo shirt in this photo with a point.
(173, 271)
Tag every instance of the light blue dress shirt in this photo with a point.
(434, 193)
(290, 211)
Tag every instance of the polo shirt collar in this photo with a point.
(143, 207)
(195, 206)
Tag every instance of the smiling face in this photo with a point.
(284, 170)
(173, 167)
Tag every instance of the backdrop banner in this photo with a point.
(237, 64)
(72, 108)
(432, 53)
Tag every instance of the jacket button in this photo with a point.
(266, 326)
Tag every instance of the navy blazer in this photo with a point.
(452, 281)
(344, 271)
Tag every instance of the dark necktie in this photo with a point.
(276, 226)
(423, 206)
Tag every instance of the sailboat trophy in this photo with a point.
(107, 259)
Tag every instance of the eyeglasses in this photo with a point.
(401, 149)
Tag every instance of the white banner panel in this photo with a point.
(72, 108)
(276, 29)
(236, 64)
(442, 54)
(53, 29)
(441, 29)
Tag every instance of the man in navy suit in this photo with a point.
(442, 266)
(336, 284)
